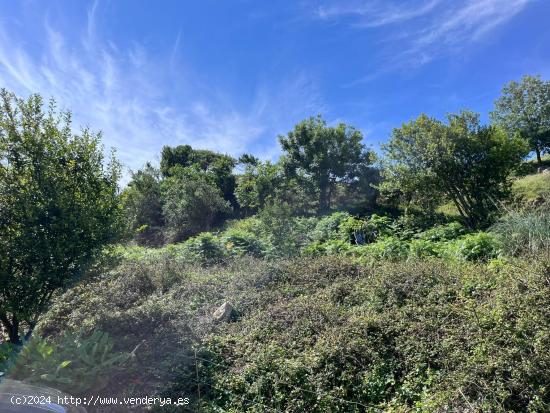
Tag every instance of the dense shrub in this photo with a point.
(191, 203)
(355, 231)
(7, 350)
(409, 224)
(379, 225)
(443, 241)
(364, 231)
(252, 225)
(205, 248)
(142, 203)
(443, 232)
(276, 233)
(402, 337)
(283, 234)
(480, 246)
(239, 243)
(328, 227)
(389, 248)
(420, 248)
(327, 248)
(324, 334)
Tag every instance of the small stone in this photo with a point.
(225, 313)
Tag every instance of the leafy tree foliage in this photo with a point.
(219, 165)
(143, 205)
(266, 183)
(58, 206)
(429, 161)
(192, 201)
(258, 184)
(248, 159)
(321, 156)
(192, 190)
(172, 156)
(524, 108)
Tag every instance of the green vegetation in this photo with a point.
(58, 206)
(524, 108)
(525, 232)
(320, 282)
(430, 162)
(70, 361)
(320, 156)
(532, 187)
(191, 203)
(325, 334)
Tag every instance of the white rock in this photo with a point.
(224, 313)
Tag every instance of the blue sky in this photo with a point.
(232, 75)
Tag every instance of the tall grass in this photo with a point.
(527, 232)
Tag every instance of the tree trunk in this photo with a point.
(13, 329)
(539, 158)
(28, 334)
(324, 195)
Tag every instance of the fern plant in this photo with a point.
(72, 363)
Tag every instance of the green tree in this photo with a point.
(265, 183)
(429, 161)
(172, 156)
(143, 206)
(321, 156)
(247, 159)
(220, 166)
(258, 184)
(59, 205)
(524, 108)
(192, 201)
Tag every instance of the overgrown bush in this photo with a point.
(480, 246)
(448, 241)
(402, 337)
(191, 203)
(252, 225)
(326, 248)
(283, 234)
(389, 248)
(364, 231)
(421, 248)
(443, 232)
(324, 334)
(7, 350)
(205, 248)
(328, 227)
(239, 243)
(408, 225)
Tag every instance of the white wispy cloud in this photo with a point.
(376, 13)
(421, 31)
(464, 24)
(132, 96)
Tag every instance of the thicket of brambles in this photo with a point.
(413, 280)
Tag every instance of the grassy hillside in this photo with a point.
(418, 319)
(531, 187)
(329, 314)
(322, 334)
